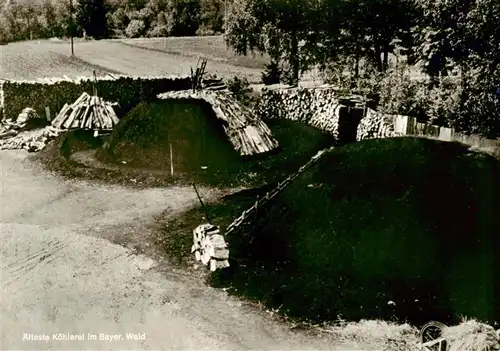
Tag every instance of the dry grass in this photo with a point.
(472, 336)
(49, 58)
(376, 335)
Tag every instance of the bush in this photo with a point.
(158, 31)
(135, 29)
(272, 73)
(204, 31)
(241, 89)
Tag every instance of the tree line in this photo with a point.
(36, 19)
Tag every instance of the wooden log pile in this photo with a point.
(376, 125)
(87, 112)
(210, 247)
(20, 134)
(246, 131)
(32, 141)
(318, 107)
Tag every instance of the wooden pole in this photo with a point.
(171, 162)
(72, 26)
(202, 204)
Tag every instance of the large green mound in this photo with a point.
(144, 136)
(412, 221)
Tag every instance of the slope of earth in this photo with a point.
(71, 263)
(18, 58)
(403, 227)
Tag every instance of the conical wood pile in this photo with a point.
(87, 112)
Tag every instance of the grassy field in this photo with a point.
(52, 58)
(210, 47)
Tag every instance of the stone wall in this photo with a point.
(54, 93)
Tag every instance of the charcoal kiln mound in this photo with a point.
(402, 228)
(183, 135)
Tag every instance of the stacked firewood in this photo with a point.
(210, 247)
(318, 107)
(375, 125)
(246, 131)
(87, 112)
(32, 141)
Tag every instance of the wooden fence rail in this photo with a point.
(273, 193)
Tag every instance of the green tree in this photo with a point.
(183, 17)
(212, 14)
(91, 17)
(279, 28)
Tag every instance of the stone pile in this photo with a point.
(375, 125)
(210, 247)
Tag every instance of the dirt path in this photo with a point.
(68, 265)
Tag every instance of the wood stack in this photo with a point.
(210, 247)
(376, 125)
(31, 141)
(246, 131)
(215, 84)
(320, 108)
(87, 112)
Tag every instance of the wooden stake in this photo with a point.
(171, 162)
(47, 113)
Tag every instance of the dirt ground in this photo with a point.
(76, 259)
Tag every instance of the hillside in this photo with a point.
(51, 58)
(404, 228)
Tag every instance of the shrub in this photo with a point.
(204, 31)
(135, 29)
(272, 73)
(158, 31)
(241, 89)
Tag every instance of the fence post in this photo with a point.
(47, 113)
(171, 162)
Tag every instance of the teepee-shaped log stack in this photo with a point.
(87, 112)
(210, 247)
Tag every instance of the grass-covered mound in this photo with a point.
(200, 148)
(144, 136)
(412, 221)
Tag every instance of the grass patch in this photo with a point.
(412, 221)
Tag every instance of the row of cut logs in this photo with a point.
(209, 247)
(375, 125)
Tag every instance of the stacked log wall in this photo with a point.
(322, 108)
(54, 93)
(318, 107)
